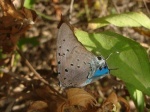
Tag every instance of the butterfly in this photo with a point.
(77, 66)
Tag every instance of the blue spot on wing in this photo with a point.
(101, 72)
(98, 73)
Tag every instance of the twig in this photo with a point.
(116, 8)
(9, 107)
(36, 73)
(146, 7)
(87, 10)
(31, 68)
(12, 60)
(71, 9)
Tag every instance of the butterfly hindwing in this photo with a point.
(76, 65)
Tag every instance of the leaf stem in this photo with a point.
(31, 68)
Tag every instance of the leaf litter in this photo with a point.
(13, 24)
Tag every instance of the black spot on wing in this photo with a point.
(78, 66)
(84, 63)
(58, 62)
(68, 50)
(66, 70)
(61, 54)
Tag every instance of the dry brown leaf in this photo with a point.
(110, 103)
(53, 100)
(113, 103)
(80, 97)
(62, 107)
(126, 104)
(38, 106)
(13, 24)
(78, 100)
(142, 31)
(28, 14)
(9, 9)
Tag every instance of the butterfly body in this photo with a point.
(77, 66)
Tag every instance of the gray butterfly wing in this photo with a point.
(84, 66)
(75, 63)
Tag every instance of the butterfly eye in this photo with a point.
(105, 67)
(100, 68)
(99, 58)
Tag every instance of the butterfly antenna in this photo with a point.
(111, 54)
(109, 57)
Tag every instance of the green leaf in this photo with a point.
(44, 15)
(23, 41)
(137, 97)
(130, 19)
(29, 3)
(132, 61)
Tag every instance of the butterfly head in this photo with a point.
(102, 67)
